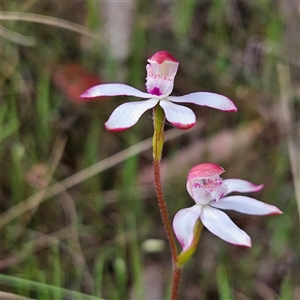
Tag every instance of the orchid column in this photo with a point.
(161, 72)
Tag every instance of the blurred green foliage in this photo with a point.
(87, 240)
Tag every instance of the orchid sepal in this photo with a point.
(241, 186)
(246, 205)
(179, 116)
(208, 99)
(186, 254)
(114, 89)
(127, 114)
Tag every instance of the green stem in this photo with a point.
(157, 143)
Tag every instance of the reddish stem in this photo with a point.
(175, 283)
(164, 211)
(158, 140)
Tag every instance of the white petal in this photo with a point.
(114, 89)
(160, 77)
(206, 99)
(242, 186)
(220, 224)
(184, 223)
(127, 114)
(200, 194)
(180, 116)
(246, 205)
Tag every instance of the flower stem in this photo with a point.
(164, 211)
(157, 144)
(175, 283)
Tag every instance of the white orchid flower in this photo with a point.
(209, 191)
(161, 72)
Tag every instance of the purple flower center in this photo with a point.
(156, 91)
(209, 184)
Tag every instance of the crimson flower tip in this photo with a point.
(259, 187)
(205, 170)
(183, 126)
(276, 211)
(162, 56)
(86, 94)
(245, 245)
(117, 129)
(232, 107)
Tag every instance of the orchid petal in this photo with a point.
(221, 225)
(246, 205)
(160, 84)
(184, 223)
(206, 99)
(127, 114)
(161, 72)
(114, 89)
(200, 194)
(180, 116)
(240, 185)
